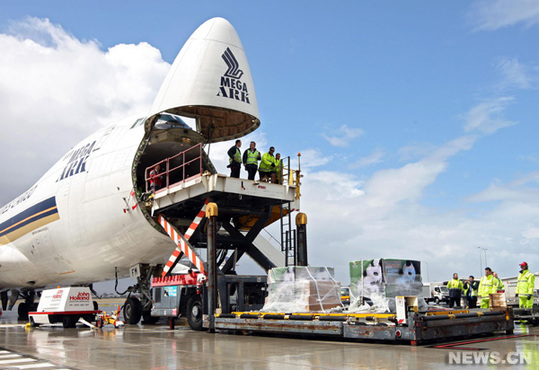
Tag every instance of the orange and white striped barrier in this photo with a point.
(196, 221)
(183, 246)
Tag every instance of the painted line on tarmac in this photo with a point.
(14, 360)
(451, 345)
(12, 325)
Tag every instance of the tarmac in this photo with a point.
(158, 347)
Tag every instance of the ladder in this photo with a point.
(288, 235)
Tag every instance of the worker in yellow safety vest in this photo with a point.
(234, 159)
(278, 169)
(472, 293)
(250, 160)
(487, 286)
(525, 286)
(465, 293)
(500, 287)
(455, 290)
(267, 166)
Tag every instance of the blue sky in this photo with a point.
(417, 121)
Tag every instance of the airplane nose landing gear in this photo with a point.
(132, 310)
(28, 304)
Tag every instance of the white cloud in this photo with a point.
(486, 117)
(531, 233)
(521, 190)
(343, 136)
(388, 187)
(514, 74)
(57, 89)
(416, 151)
(373, 158)
(490, 15)
(313, 158)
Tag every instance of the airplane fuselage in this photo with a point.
(80, 220)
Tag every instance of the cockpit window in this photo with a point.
(166, 121)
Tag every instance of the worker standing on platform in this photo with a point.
(487, 286)
(250, 160)
(455, 290)
(500, 288)
(156, 180)
(234, 158)
(525, 287)
(267, 165)
(473, 290)
(278, 169)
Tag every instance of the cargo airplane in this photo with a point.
(84, 220)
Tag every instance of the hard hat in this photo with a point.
(523, 264)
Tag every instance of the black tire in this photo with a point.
(22, 311)
(70, 321)
(194, 312)
(132, 311)
(437, 300)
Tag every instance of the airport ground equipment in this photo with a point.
(405, 326)
(104, 319)
(64, 305)
(245, 207)
(184, 295)
(530, 315)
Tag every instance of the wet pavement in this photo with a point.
(157, 347)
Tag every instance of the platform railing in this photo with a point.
(166, 163)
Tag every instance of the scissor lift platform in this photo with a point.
(417, 328)
(218, 185)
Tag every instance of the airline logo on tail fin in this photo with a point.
(233, 70)
(231, 85)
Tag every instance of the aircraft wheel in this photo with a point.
(194, 312)
(132, 310)
(23, 310)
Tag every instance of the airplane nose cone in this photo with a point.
(210, 80)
